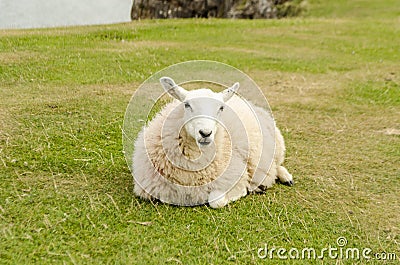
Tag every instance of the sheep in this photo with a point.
(207, 147)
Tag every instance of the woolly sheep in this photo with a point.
(207, 147)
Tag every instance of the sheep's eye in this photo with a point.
(221, 108)
(187, 105)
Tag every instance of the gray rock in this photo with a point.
(209, 8)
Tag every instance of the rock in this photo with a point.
(213, 8)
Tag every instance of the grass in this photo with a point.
(332, 78)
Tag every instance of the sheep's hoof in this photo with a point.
(288, 183)
(260, 189)
(285, 177)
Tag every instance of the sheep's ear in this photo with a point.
(173, 89)
(230, 91)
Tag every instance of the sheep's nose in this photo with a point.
(204, 133)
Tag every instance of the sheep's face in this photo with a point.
(202, 109)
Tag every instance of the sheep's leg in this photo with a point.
(237, 192)
(218, 199)
(284, 176)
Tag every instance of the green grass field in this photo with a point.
(332, 78)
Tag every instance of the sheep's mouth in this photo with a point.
(204, 141)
